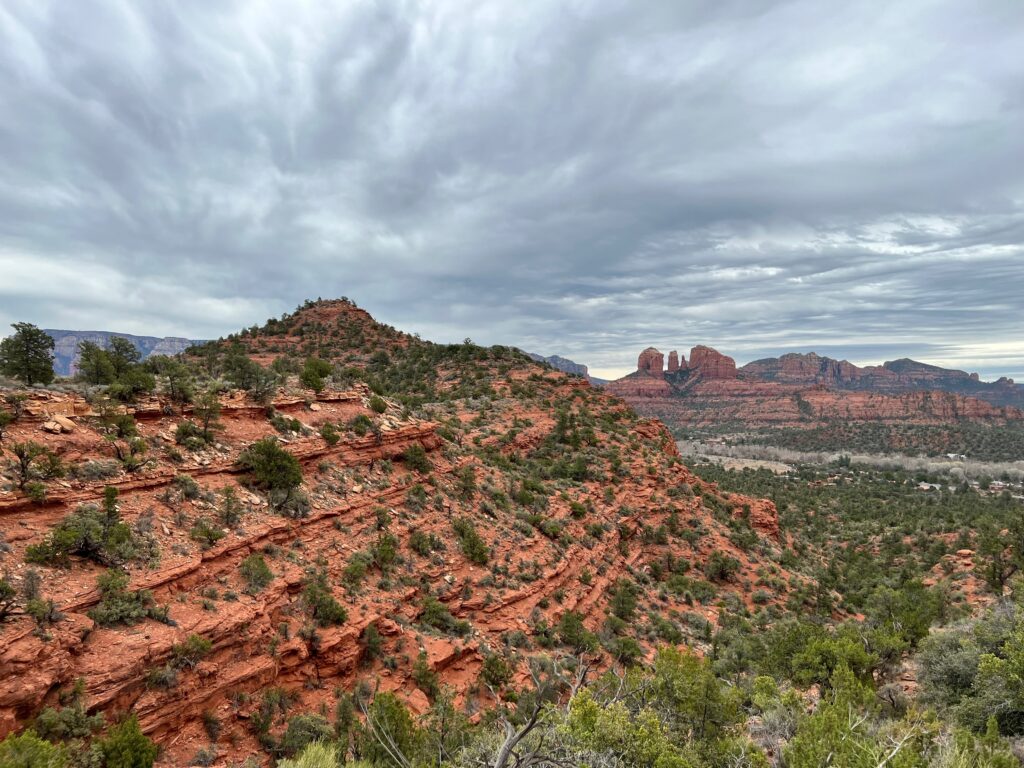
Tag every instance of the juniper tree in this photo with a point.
(27, 355)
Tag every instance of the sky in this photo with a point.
(575, 178)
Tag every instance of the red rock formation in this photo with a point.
(711, 363)
(651, 362)
(257, 636)
(806, 369)
(673, 361)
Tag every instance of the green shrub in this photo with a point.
(125, 746)
(99, 469)
(372, 642)
(191, 652)
(721, 567)
(573, 633)
(36, 492)
(205, 533)
(424, 676)
(361, 424)
(319, 754)
(187, 486)
(435, 614)
(378, 404)
(118, 605)
(90, 532)
(314, 372)
(496, 672)
(256, 572)
(330, 434)
(473, 546)
(190, 435)
(326, 611)
(302, 731)
(283, 424)
(230, 512)
(27, 750)
(391, 724)
(271, 466)
(423, 543)
(355, 571)
(416, 459)
(71, 721)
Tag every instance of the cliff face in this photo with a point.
(798, 390)
(65, 349)
(893, 377)
(712, 364)
(489, 428)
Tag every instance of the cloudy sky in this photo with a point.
(582, 178)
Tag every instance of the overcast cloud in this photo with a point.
(581, 178)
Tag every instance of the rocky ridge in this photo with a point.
(571, 493)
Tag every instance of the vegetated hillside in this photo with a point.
(811, 403)
(324, 500)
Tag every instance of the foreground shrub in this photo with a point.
(473, 547)
(256, 572)
(27, 750)
(118, 605)
(93, 533)
(125, 746)
(326, 611)
(272, 468)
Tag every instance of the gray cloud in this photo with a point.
(585, 178)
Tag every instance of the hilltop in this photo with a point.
(452, 503)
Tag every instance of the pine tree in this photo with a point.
(27, 355)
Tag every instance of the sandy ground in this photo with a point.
(730, 462)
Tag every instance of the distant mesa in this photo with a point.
(567, 366)
(65, 348)
(800, 388)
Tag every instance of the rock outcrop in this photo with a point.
(712, 364)
(801, 390)
(651, 362)
(892, 378)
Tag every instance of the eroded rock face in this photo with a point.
(673, 361)
(807, 389)
(651, 362)
(260, 638)
(806, 369)
(711, 363)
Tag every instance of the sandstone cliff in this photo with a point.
(570, 493)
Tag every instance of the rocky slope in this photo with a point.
(465, 513)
